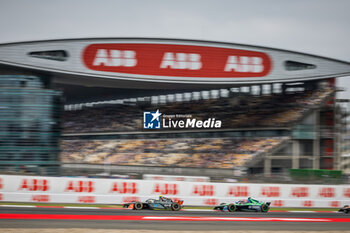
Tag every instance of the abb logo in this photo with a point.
(130, 199)
(203, 190)
(166, 189)
(326, 192)
(334, 204)
(182, 61)
(80, 186)
(346, 192)
(86, 199)
(115, 58)
(238, 191)
(277, 203)
(1, 183)
(300, 192)
(210, 201)
(244, 64)
(1, 197)
(307, 203)
(35, 185)
(270, 191)
(124, 187)
(175, 60)
(40, 198)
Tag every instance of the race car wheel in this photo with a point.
(232, 207)
(175, 206)
(138, 206)
(346, 211)
(264, 208)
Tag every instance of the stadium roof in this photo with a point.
(87, 68)
(164, 63)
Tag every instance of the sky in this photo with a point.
(320, 27)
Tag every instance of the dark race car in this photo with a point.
(345, 209)
(152, 204)
(251, 205)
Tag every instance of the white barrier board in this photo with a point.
(117, 191)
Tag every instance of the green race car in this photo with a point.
(250, 205)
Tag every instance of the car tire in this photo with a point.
(232, 207)
(264, 208)
(346, 211)
(138, 206)
(175, 207)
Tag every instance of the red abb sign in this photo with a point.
(346, 192)
(277, 203)
(326, 192)
(300, 192)
(307, 203)
(1, 183)
(334, 204)
(166, 189)
(204, 190)
(124, 187)
(80, 186)
(176, 60)
(211, 201)
(40, 198)
(238, 191)
(34, 185)
(270, 191)
(86, 199)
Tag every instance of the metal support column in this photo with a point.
(267, 166)
(316, 142)
(296, 154)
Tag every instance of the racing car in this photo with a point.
(250, 204)
(151, 204)
(345, 209)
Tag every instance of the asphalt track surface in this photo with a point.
(163, 223)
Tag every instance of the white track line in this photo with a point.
(28, 206)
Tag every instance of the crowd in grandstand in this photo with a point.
(234, 112)
(190, 152)
(237, 111)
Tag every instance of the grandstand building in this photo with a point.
(273, 110)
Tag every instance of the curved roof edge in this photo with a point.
(175, 39)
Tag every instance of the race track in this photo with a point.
(23, 217)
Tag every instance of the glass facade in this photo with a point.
(29, 126)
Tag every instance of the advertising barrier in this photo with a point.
(117, 191)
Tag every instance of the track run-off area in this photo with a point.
(189, 220)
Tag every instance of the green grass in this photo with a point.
(185, 207)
